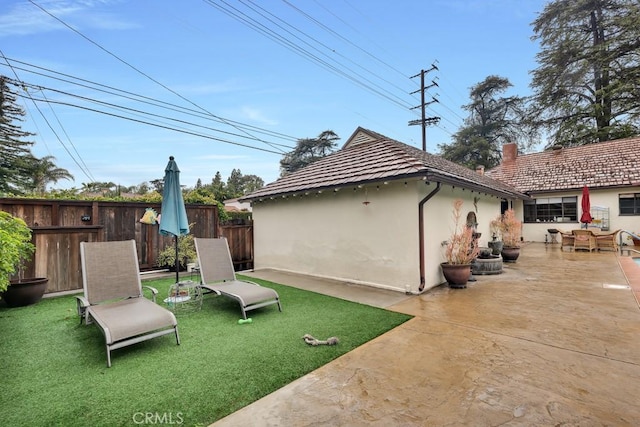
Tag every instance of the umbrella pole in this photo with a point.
(177, 263)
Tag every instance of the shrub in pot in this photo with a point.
(511, 236)
(496, 228)
(459, 251)
(186, 254)
(15, 249)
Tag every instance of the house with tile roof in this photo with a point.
(554, 180)
(376, 212)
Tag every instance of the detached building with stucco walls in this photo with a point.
(375, 213)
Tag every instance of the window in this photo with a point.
(552, 209)
(629, 203)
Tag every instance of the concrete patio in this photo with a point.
(554, 340)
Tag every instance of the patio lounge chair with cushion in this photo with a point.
(218, 276)
(607, 240)
(568, 239)
(113, 296)
(585, 239)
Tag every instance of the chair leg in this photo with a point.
(108, 356)
(177, 336)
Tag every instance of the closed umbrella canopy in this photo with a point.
(173, 220)
(173, 216)
(586, 207)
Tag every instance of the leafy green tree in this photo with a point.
(15, 150)
(235, 183)
(45, 172)
(307, 151)
(99, 187)
(218, 188)
(493, 120)
(586, 84)
(251, 183)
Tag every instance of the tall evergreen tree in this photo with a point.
(586, 85)
(15, 149)
(493, 120)
(307, 151)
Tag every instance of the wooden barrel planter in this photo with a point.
(487, 266)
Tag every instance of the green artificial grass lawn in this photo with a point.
(55, 373)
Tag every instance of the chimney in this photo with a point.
(509, 152)
(480, 170)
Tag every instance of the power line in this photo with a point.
(328, 64)
(143, 99)
(21, 84)
(137, 70)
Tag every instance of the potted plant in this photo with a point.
(460, 251)
(15, 249)
(511, 236)
(186, 254)
(496, 228)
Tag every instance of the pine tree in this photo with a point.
(586, 85)
(15, 151)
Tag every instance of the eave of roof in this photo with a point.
(380, 160)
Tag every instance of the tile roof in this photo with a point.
(599, 165)
(370, 157)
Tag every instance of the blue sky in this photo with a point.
(207, 69)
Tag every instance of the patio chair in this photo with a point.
(567, 239)
(607, 240)
(218, 276)
(113, 296)
(584, 239)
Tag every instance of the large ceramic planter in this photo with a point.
(510, 253)
(25, 292)
(456, 275)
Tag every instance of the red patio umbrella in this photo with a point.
(586, 207)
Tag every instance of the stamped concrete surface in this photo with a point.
(546, 343)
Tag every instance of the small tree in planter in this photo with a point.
(459, 251)
(15, 249)
(496, 227)
(511, 236)
(186, 253)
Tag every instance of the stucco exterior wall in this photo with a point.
(336, 235)
(439, 225)
(607, 198)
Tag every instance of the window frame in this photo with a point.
(549, 209)
(623, 210)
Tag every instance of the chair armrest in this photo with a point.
(153, 290)
(81, 305)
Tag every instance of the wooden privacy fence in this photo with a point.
(60, 225)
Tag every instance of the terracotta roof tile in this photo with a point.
(600, 165)
(379, 158)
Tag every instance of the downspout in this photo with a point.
(421, 232)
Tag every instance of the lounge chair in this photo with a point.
(113, 296)
(607, 240)
(584, 239)
(218, 276)
(568, 239)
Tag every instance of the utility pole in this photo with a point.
(425, 121)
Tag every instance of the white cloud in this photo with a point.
(257, 116)
(25, 18)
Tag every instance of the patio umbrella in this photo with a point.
(586, 207)
(173, 220)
